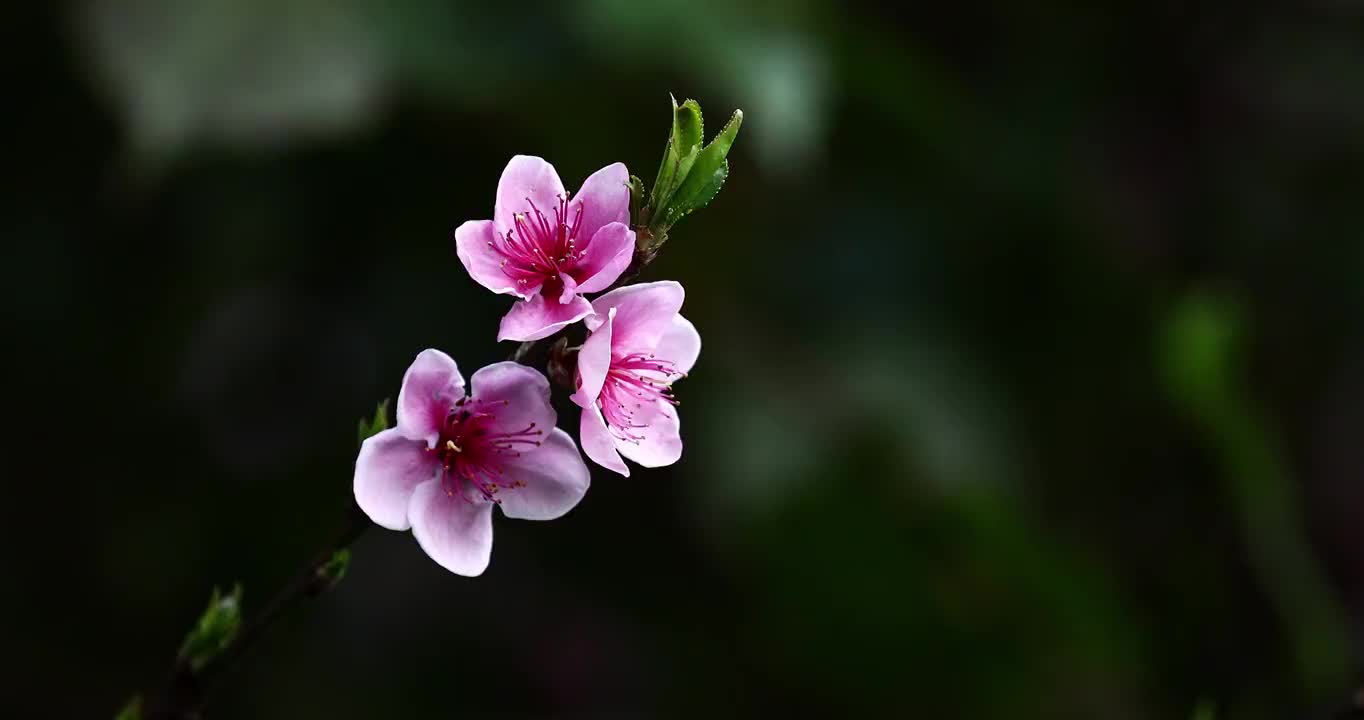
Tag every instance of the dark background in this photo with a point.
(1032, 386)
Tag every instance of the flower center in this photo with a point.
(472, 451)
(538, 248)
(630, 396)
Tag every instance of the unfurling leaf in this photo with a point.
(689, 176)
(684, 144)
(708, 172)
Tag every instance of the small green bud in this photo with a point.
(334, 570)
(370, 428)
(215, 631)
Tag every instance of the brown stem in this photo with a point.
(187, 689)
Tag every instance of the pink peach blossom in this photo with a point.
(546, 248)
(452, 457)
(639, 345)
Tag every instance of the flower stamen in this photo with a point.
(470, 447)
(635, 383)
(538, 248)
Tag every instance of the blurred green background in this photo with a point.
(1033, 378)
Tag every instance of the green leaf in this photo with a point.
(1204, 710)
(707, 173)
(688, 126)
(370, 428)
(216, 629)
(681, 150)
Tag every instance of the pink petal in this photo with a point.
(538, 318)
(606, 257)
(430, 388)
(604, 198)
(598, 443)
(387, 470)
(516, 395)
(527, 179)
(662, 443)
(570, 288)
(457, 534)
(555, 478)
(482, 261)
(594, 360)
(643, 313)
(680, 344)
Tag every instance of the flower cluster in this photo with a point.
(455, 454)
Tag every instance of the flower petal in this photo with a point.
(662, 443)
(522, 393)
(643, 313)
(387, 470)
(594, 360)
(604, 198)
(456, 533)
(527, 179)
(482, 261)
(680, 344)
(607, 256)
(430, 388)
(570, 288)
(555, 478)
(538, 318)
(598, 443)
